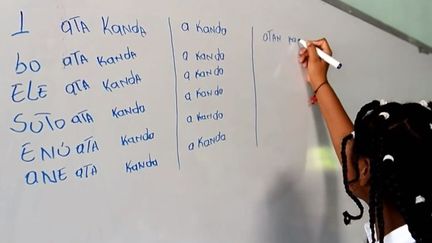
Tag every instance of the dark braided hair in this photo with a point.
(397, 141)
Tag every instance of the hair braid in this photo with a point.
(380, 219)
(379, 205)
(372, 202)
(347, 216)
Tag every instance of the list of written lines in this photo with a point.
(202, 76)
(65, 160)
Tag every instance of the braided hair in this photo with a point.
(397, 139)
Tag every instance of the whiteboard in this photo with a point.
(253, 175)
(145, 122)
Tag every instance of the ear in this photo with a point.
(364, 170)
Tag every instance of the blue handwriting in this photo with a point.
(217, 29)
(131, 110)
(201, 93)
(77, 86)
(86, 171)
(122, 29)
(74, 24)
(131, 166)
(110, 60)
(132, 79)
(21, 67)
(29, 154)
(201, 74)
(203, 142)
(217, 115)
(45, 121)
(74, 58)
(46, 177)
(147, 135)
(21, 31)
(32, 94)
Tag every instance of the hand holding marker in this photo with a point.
(329, 59)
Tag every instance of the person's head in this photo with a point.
(392, 157)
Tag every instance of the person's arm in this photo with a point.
(337, 121)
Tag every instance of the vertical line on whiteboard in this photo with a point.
(176, 92)
(255, 89)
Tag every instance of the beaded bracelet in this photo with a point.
(313, 98)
